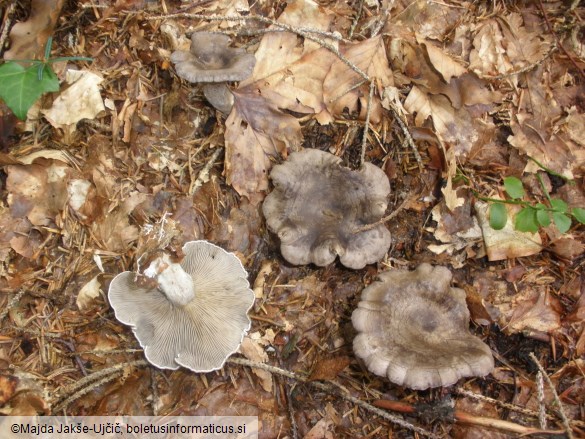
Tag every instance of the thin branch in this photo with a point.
(562, 413)
(204, 174)
(367, 125)
(383, 220)
(329, 387)
(303, 32)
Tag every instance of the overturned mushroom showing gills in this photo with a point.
(413, 328)
(318, 205)
(194, 314)
(211, 62)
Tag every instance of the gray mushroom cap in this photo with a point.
(211, 61)
(317, 205)
(204, 331)
(413, 329)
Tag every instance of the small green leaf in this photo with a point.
(542, 215)
(514, 187)
(579, 214)
(20, 86)
(498, 216)
(562, 221)
(526, 220)
(559, 205)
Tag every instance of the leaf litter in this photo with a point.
(478, 89)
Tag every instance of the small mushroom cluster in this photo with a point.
(318, 206)
(212, 62)
(192, 314)
(413, 328)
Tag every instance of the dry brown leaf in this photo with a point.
(286, 76)
(329, 368)
(255, 132)
(252, 349)
(28, 39)
(454, 127)
(507, 243)
(503, 45)
(7, 387)
(370, 57)
(88, 293)
(538, 313)
(442, 61)
(37, 191)
(82, 100)
(114, 232)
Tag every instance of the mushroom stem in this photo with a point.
(219, 95)
(172, 280)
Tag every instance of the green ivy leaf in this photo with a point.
(498, 216)
(20, 86)
(514, 187)
(579, 214)
(542, 215)
(562, 221)
(526, 220)
(559, 205)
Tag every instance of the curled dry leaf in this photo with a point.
(370, 57)
(285, 77)
(503, 45)
(37, 191)
(82, 100)
(88, 293)
(28, 39)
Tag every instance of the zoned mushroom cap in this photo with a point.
(211, 60)
(203, 324)
(317, 205)
(413, 328)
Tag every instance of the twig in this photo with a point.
(512, 407)
(356, 19)
(407, 137)
(367, 125)
(383, 220)
(293, 29)
(84, 385)
(65, 403)
(204, 174)
(555, 395)
(461, 417)
(328, 388)
(557, 41)
(11, 304)
(541, 405)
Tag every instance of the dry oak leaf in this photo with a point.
(502, 45)
(114, 232)
(37, 191)
(453, 127)
(82, 100)
(370, 57)
(442, 61)
(255, 132)
(28, 39)
(286, 76)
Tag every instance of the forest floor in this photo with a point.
(463, 95)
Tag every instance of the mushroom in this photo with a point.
(318, 206)
(211, 62)
(413, 328)
(193, 314)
